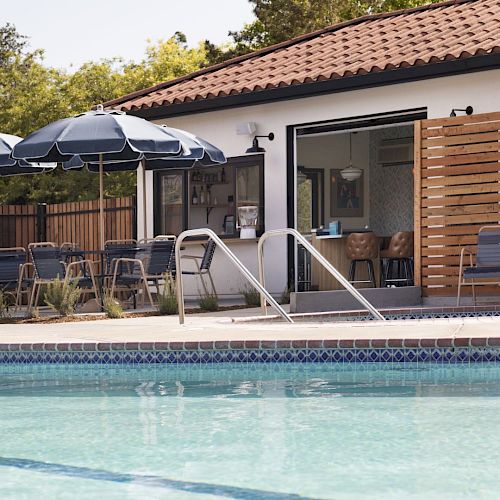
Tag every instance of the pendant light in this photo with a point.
(350, 173)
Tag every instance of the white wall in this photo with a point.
(480, 90)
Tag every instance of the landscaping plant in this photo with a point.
(209, 302)
(61, 296)
(285, 296)
(251, 296)
(167, 299)
(4, 305)
(112, 307)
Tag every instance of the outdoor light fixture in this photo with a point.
(350, 173)
(468, 111)
(255, 144)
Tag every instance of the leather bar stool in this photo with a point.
(399, 254)
(362, 247)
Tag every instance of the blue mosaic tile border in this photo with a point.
(355, 355)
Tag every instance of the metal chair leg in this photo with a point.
(371, 273)
(352, 270)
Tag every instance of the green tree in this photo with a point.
(33, 95)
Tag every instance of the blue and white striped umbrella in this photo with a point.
(9, 166)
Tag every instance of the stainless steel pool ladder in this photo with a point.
(319, 257)
(264, 294)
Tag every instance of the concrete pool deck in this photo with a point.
(219, 331)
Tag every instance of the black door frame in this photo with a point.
(304, 129)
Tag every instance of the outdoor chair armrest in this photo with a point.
(23, 268)
(129, 260)
(90, 263)
(467, 250)
(191, 256)
(463, 251)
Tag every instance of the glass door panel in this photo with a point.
(249, 189)
(171, 203)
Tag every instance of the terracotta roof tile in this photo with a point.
(384, 42)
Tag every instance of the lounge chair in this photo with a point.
(487, 261)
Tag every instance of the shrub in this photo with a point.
(62, 296)
(251, 296)
(167, 299)
(4, 304)
(112, 307)
(33, 314)
(209, 302)
(285, 296)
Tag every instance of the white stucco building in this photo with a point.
(366, 81)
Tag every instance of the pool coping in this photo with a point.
(281, 344)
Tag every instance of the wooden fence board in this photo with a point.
(461, 139)
(76, 222)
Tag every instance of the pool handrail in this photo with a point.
(319, 257)
(246, 273)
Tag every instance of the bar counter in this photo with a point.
(333, 248)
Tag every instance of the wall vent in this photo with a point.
(395, 152)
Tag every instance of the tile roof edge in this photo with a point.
(281, 45)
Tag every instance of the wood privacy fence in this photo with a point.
(76, 222)
(457, 191)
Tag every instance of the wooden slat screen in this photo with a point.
(457, 191)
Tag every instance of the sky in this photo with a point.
(75, 31)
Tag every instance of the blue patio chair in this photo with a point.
(14, 277)
(203, 264)
(48, 264)
(487, 261)
(118, 249)
(129, 273)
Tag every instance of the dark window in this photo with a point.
(209, 196)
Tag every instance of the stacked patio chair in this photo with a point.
(129, 274)
(160, 260)
(118, 249)
(14, 277)
(48, 265)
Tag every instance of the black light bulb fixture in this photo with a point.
(468, 111)
(255, 143)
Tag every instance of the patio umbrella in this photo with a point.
(195, 151)
(98, 137)
(10, 166)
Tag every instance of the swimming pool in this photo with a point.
(250, 431)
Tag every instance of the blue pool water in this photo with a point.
(250, 431)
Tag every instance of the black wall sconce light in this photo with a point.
(468, 111)
(255, 143)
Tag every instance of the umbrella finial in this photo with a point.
(99, 107)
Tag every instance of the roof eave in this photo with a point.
(389, 77)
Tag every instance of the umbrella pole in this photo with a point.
(101, 203)
(144, 204)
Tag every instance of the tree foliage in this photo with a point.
(33, 95)
(280, 20)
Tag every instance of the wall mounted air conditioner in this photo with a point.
(395, 152)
